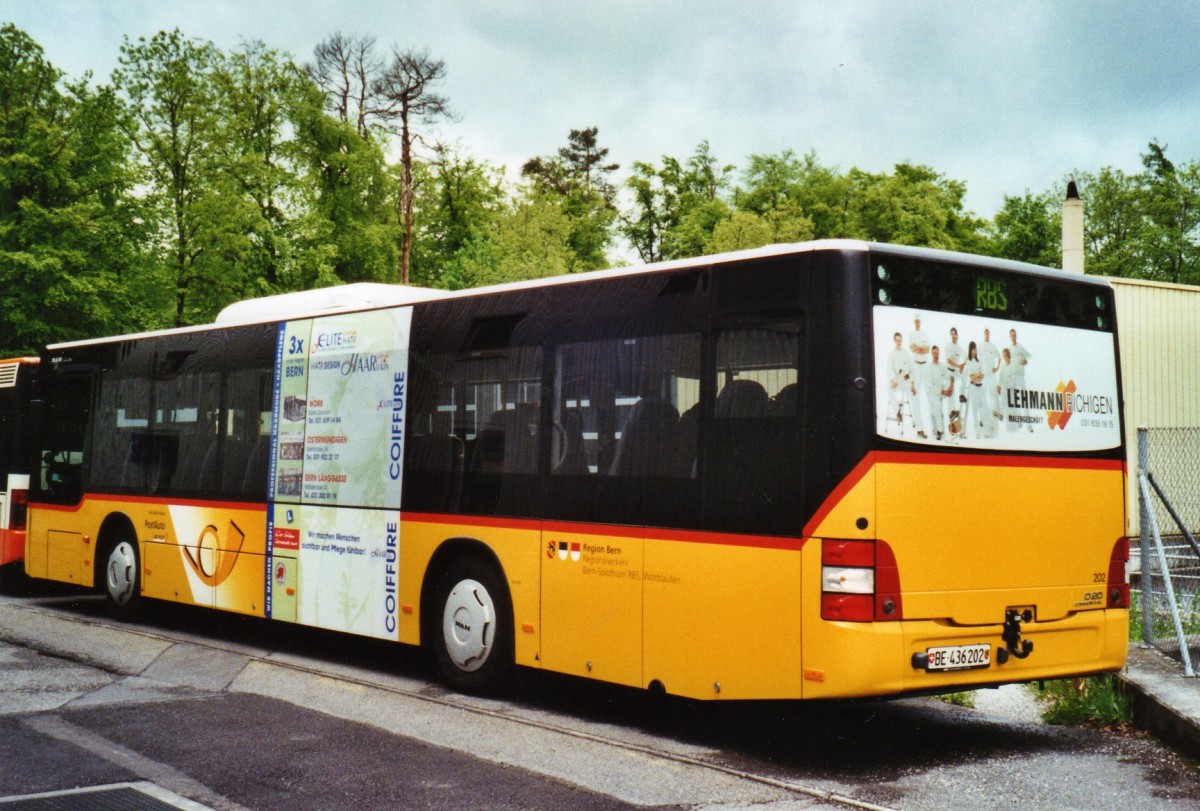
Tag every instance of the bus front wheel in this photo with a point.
(122, 578)
(471, 631)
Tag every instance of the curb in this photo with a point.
(1165, 703)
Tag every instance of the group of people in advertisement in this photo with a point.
(948, 391)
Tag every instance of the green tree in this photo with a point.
(746, 229)
(458, 200)
(348, 233)
(579, 175)
(915, 205)
(1115, 223)
(1171, 206)
(646, 223)
(692, 234)
(1028, 229)
(676, 206)
(529, 240)
(256, 189)
(1143, 225)
(167, 81)
(72, 263)
(246, 222)
(802, 185)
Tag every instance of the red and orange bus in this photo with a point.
(15, 464)
(740, 476)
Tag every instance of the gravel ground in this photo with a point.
(1012, 702)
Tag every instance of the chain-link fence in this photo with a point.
(1166, 579)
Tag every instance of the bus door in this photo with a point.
(623, 462)
(57, 549)
(722, 605)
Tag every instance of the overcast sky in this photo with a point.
(1006, 96)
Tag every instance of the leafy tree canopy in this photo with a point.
(72, 230)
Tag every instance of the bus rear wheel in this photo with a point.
(471, 629)
(122, 578)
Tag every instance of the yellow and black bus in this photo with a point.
(831, 469)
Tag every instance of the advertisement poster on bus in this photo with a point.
(333, 529)
(969, 381)
(335, 568)
(339, 409)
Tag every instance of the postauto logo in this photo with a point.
(210, 558)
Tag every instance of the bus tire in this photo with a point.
(122, 579)
(471, 630)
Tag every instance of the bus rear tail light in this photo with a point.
(1118, 583)
(859, 582)
(18, 507)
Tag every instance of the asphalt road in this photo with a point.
(231, 712)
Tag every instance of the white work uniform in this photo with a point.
(1008, 382)
(918, 342)
(940, 380)
(978, 411)
(955, 355)
(1020, 358)
(899, 380)
(991, 359)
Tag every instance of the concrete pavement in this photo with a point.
(111, 666)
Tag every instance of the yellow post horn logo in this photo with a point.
(213, 560)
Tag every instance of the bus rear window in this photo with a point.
(987, 358)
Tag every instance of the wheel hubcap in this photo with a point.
(121, 575)
(467, 625)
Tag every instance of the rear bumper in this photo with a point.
(855, 660)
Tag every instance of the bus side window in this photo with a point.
(754, 462)
(246, 433)
(435, 451)
(474, 431)
(501, 429)
(64, 422)
(243, 431)
(122, 425)
(622, 449)
(184, 429)
(195, 415)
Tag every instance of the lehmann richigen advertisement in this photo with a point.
(977, 382)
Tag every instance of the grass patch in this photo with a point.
(1096, 701)
(958, 699)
